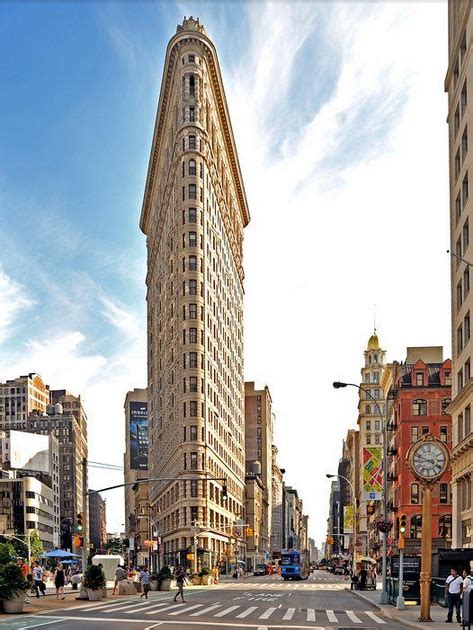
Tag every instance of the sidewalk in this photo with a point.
(407, 617)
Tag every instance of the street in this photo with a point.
(261, 603)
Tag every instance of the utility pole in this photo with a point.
(85, 516)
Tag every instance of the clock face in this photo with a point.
(429, 460)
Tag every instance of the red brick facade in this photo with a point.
(422, 393)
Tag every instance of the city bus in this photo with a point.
(295, 565)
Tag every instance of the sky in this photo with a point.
(339, 115)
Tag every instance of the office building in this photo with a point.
(19, 397)
(193, 214)
(97, 522)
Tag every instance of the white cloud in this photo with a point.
(124, 320)
(13, 299)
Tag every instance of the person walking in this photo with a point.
(180, 576)
(453, 589)
(145, 582)
(39, 585)
(59, 581)
(120, 574)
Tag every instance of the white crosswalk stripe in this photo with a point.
(150, 611)
(134, 605)
(310, 614)
(352, 616)
(289, 614)
(247, 612)
(186, 610)
(206, 610)
(222, 613)
(331, 616)
(374, 617)
(267, 613)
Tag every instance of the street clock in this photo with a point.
(428, 459)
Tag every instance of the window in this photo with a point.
(443, 493)
(465, 189)
(419, 379)
(368, 439)
(192, 263)
(192, 359)
(192, 115)
(192, 311)
(193, 488)
(467, 370)
(445, 403)
(463, 98)
(368, 425)
(456, 120)
(445, 526)
(448, 377)
(416, 526)
(192, 85)
(193, 408)
(193, 433)
(194, 514)
(460, 427)
(191, 59)
(377, 425)
(466, 281)
(459, 294)
(376, 438)
(367, 377)
(457, 164)
(459, 339)
(192, 335)
(464, 143)
(444, 434)
(192, 142)
(192, 191)
(467, 416)
(192, 215)
(192, 167)
(193, 383)
(192, 239)
(367, 410)
(458, 207)
(425, 430)
(415, 493)
(466, 235)
(460, 379)
(193, 460)
(419, 407)
(192, 287)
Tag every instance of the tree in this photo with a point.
(36, 545)
(7, 552)
(116, 546)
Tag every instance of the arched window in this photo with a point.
(415, 493)
(192, 85)
(419, 407)
(368, 439)
(445, 403)
(192, 167)
(375, 358)
(445, 526)
(416, 526)
(368, 410)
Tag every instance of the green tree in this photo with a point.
(37, 549)
(7, 552)
(116, 546)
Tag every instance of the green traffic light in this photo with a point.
(402, 530)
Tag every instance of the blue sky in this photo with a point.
(339, 116)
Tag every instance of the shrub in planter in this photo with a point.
(165, 579)
(206, 576)
(94, 581)
(13, 587)
(154, 582)
(196, 579)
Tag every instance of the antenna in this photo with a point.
(374, 318)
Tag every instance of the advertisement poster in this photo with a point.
(138, 435)
(372, 474)
(29, 451)
(348, 519)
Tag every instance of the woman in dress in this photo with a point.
(59, 581)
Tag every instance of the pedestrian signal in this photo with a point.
(370, 509)
(248, 532)
(402, 524)
(329, 540)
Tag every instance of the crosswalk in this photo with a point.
(219, 610)
(293, 586)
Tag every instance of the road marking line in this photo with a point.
(352, 616)
(38, 625)
(178, 612)
(247, 612)
(331, 616)
(310, 614)
(155, 625)
(102, 605)
(151, 612)
(289, 614)
(374, 617)
(205, 610)
(135, 605)
(222, 613)
(267, 613)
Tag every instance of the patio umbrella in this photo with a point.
(59, 553)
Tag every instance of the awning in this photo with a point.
(366, 559)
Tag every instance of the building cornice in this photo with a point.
(160, 123)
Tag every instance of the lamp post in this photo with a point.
(338, 385)
(152, 523)
(354, 516)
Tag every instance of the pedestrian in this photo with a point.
(120, 574)
(363, 574)
(180, 577)
(39, 585)
(145, 582)
(453, 589)
(59, 581)
(467, 580)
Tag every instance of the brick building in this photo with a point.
(421, 393)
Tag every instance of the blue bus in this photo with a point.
(295, 565)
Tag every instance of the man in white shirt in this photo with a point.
(38, 579)
(453, 589)
(467, 580)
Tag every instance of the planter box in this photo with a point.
(196, 581)
(165, 585)
(154, 585)
(207, 579)
(14, 605)
(94, 595)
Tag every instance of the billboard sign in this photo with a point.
(138, 435)
(348, 519)
(372, 474)
(29, 451)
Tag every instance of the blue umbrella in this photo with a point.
(59, 553)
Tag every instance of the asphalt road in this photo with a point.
(256, 603)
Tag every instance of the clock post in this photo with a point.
(428, 459)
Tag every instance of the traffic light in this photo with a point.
(79, 525)
(224, 492)
(402, 524)
(248, 532)
(370, 509)
(329, 540)
(78, 541)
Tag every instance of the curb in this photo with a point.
(387, 613)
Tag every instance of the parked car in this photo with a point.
(260, 569)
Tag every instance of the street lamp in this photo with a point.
(329, 476)
(339, 385)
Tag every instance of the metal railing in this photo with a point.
(411, 591)
(438, 591)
